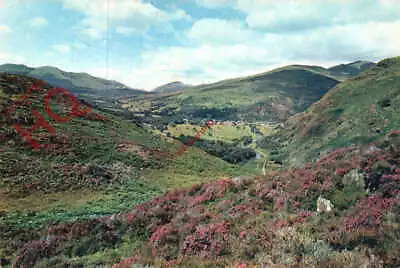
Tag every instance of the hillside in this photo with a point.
(93, 89)
(359, 110)
(341, 211)
(344, 71)
(272, 96)
(96, 195)
(170, 87)
(93, 165)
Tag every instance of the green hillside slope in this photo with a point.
(95, 164)
(272, 96)
(98, 91)
(269, 97)
(342, 211)
(171, 87)
(344, 71)
(359, 110)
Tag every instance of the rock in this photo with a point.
(324, 205)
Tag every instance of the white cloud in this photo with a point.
(292, 15)
(132, 14)
(205, 63)
(219, 31)
(61, 48)
(11, 58)
(5, 29)
(210, 61)
(38, 22)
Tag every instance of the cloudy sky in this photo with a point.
(146, 43)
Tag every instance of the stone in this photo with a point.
(324, 205)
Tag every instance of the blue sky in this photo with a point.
(146, 43)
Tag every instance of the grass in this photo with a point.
(216, 132)
(270, 97)
(359, 110)
(86, 174)
(253, 221)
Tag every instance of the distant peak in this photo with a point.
(171, 87)
(175, 83)
(11, 64)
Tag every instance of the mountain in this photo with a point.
(270, 97)
(358, 110)
(171, 87)
(68, 80)
(344, 71)
(92, 89)
(93, 164)
(15, 68)
(97, 194)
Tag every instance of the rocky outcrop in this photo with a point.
(324, 205)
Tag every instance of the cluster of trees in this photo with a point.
(230, 152)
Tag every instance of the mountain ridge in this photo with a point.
(271, 96)
(358, 110)
(170, 87)
(39, 72)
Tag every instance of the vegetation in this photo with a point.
(267, 220)
(109, 192)
(171, 87)
(95, 164)
(268, 97)
(216, 132)
(359, 110)
(96, 90)
(233, 153)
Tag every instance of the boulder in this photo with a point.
(324, 205)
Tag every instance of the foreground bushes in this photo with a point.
(269, 220)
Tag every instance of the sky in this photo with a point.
(147, 43)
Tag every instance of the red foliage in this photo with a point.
(280, 203)
(33, 251)
(281, 223)
(369, 212)
(341, 171)
(302, 216)
(159, 236)
(333, 156)
(209, 192)
(208, 240)
(125, 263)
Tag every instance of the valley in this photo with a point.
(117, 189)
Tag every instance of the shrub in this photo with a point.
(208, 240)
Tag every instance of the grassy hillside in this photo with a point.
(93, 166)
(171, 87)
(344, 71)
(270, 221)
(359, 110)
(272, 96)
(105, 93)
